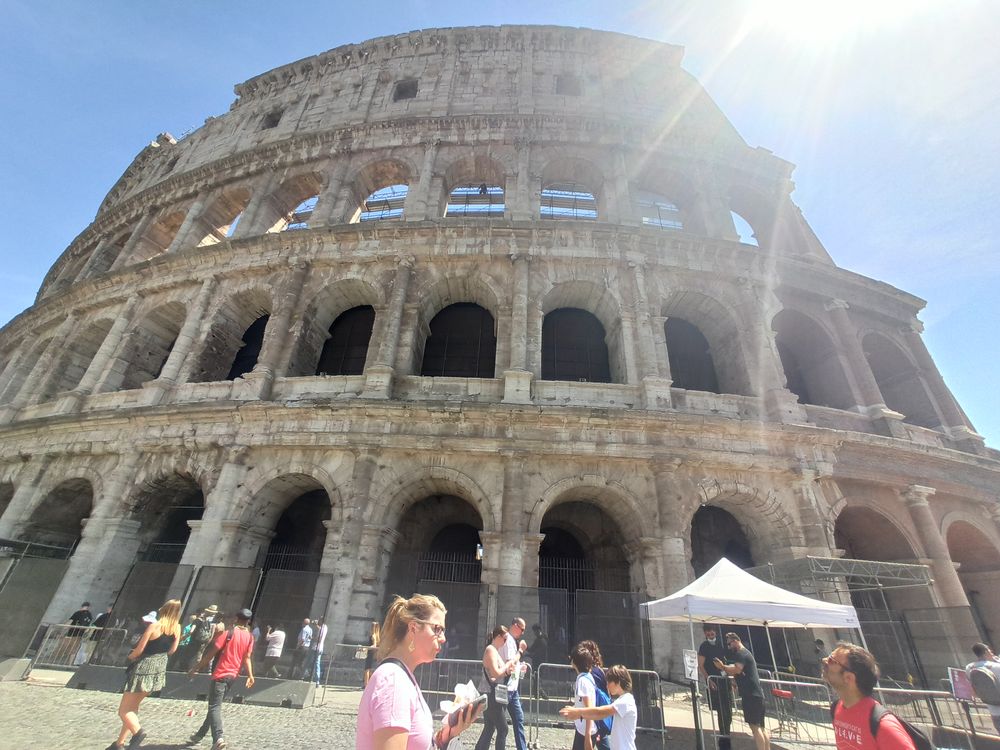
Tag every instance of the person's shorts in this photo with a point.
(753, 710)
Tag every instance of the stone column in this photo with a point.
(621, 209)
(274, 353)
(378, 377)
(96, 253)
(133, 241)
(417, 200)
(112, 342)
(518, 199)
(626, 329)
(326, 205)
(811, 513)
(374, 552)
(511, 561)
(946, 581)
(45, 369)
(191, 219)
(530, 545)
(871, 399)
(493, 573)
(14, 365)
(156, 389)
(655, 387)
(517, 379)
(248, 226)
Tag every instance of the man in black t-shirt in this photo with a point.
(743, 667)
(719, 695)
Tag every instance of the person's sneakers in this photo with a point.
(137, 739)
(114, 746)
(220, 744)
(196, 738)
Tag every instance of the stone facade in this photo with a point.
(828, 421)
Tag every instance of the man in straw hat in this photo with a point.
(206, 625)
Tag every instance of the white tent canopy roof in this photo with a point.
(726, 594)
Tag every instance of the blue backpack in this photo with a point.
(603, 699)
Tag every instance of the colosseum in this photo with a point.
(508, 314)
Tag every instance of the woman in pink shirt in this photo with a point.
(393, 714)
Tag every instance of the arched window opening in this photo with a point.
(568, 200)
(657, 211)
(812, 365)
(562, 562)
(218, 222)
(345, 351)
(978, 561)
(900, 382)
(385, 204)
(106, 256)
(462, 343)
(715, 533)
(691, 364)
(246, 357)
(152, 341)
(300, 534)
(57, 521)
(482, 200)
(744, 231)
(574, 347)
(301, 214)
(230, 230)
(80, 350)
(795, 379)
(165, 507)
(157, 238)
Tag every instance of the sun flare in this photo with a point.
(830, 21)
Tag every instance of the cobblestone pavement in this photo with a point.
(34, 715)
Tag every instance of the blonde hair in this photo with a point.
(399, 616)
(376, 633)
(169, 616)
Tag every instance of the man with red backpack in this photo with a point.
(859, 721)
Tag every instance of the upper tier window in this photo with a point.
(568, 200)
(384, 204)
(271, 119)
(658, 211)
(405, 90)
(476, 200)
(299, 218)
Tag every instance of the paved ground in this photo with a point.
(36, 714)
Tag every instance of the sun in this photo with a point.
(834, 21)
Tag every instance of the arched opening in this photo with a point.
(24, 367)
(568, 200)
(221, 218)
(811, 363)
(899, 381)
(979, 571)
(346, 349)
(715, 533)
(107, 255)
(57, 521)
(481, 200)
(690, 357)
(300, 534)
(164, 506)
(745, 233)
(253, 340)
(230, 345)
(574, 347)
(76, 358)
(152, 341)
(157, 239)
(583, 570)
(657, 211)
(291, 206)
(462, 343)
(301, 214)
(385, 204)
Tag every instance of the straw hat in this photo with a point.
(211, 610)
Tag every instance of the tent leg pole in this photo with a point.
(699, 738)
(774, 658)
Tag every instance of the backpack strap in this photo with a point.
(875, 718)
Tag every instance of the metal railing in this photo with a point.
(66, 647)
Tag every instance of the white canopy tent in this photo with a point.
(727, 594)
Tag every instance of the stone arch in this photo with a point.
(576, 174)
(597, 300)
(149, 346)
(163, 504)
(426, 482)
(105, 256)
(328, 304)
(722, 331)
(978, 560)
(676, 187)
(374, 176)
(74, 360)
(158, 236)
(268, 492)
(878, 535)
(900, 380)
(57, 518)
(286, 199)
(811, 360)
(231, 319)
(23, 367)
(624, 508)
(769, 525)
(219, 219)
(757, 210)
(460, 194)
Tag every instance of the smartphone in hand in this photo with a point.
(469, 711)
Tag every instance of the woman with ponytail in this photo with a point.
(393, 714)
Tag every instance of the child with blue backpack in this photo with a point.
(621, 734)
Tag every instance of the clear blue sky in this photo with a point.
(889, 108)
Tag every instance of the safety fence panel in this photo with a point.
(286, 598)
(468, 609)
(27, 591)
(229, 589)
(438, 678)
(614, 620)
(66, 647)
(932, 708)
(797, 711)
(550, 609)
(941, 638)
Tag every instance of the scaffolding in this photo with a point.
(819, 575)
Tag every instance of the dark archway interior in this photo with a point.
(299, 534)
(462, 343)
(691, 364)
(57, 521)
(345, 351)
(164, 507)
(715, 533)
(573, 347)
(6, 495)
(246, 358)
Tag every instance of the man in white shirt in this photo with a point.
(303, 651)
(987, 659)
(319, 638)
(275, 638)
(511, 652)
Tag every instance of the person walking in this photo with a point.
(622, 708)
(319, 638)
(206, 628)
(852, 672)
(303, 649)
(275, 639)
(495, 717)
(147, 671)
(234, 648)
(720, 697)
(393, 714)
(743, 668)
(586, 736)
(511, 652)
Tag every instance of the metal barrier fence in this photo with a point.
(554, 688)
(68, 646)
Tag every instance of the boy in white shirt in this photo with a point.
(622, 708)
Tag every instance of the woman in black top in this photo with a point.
(148, 670)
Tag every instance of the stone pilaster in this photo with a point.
(946, 581)
(45, 370)
(352, 568)
(191, 220)
(251, 219)
(417, 200)
(326, 204)
(511, 562)
(138, 233)
(112, 343)
(378, 377)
